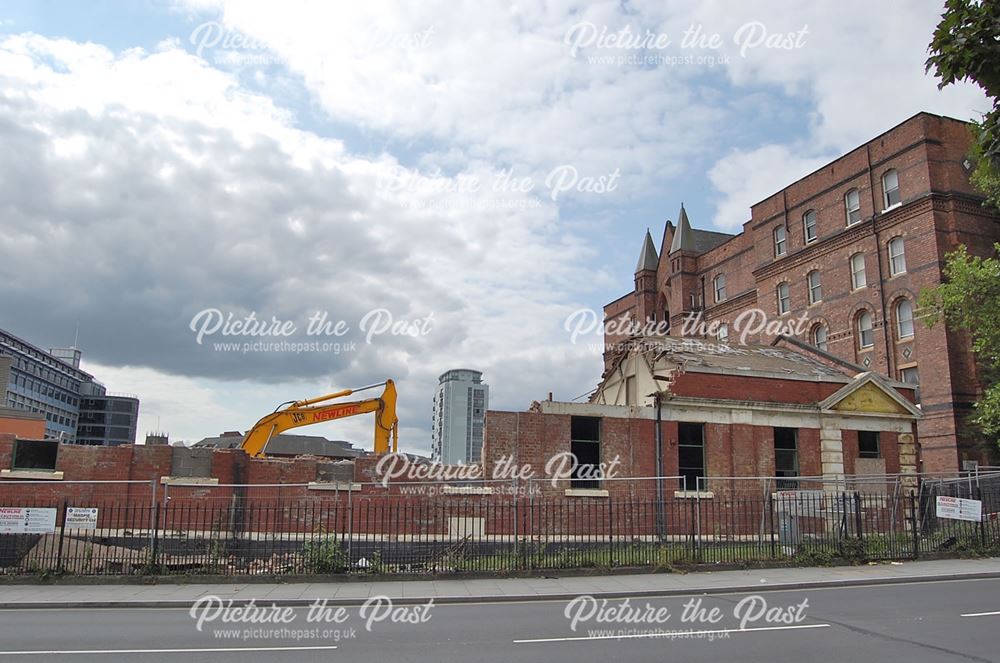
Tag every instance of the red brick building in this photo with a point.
(838, 259)
(726, 411)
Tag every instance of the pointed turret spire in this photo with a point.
(647, 258)
(683, 236)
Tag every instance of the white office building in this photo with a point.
(460, 403)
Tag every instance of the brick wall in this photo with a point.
(25, 427)
(530, 437)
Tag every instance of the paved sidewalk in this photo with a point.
(499, 589)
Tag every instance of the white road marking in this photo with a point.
(52, 652)
(667, 634)
(981, 614)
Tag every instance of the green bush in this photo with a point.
(853, 550)
(325, 556)
(806, 556)
(376, 565)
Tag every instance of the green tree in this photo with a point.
(969, 300)
(986, 172)
(966, 47)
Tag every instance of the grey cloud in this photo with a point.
(160, 218)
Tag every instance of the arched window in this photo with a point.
(904, 319)
(818, 336)
(890, 189)
(852, 205)
(784, 301)
(897, 256)
(809, 226)
(866, 330)
(815, 288)
(858, 278)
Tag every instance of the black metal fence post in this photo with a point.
(529, 558)
(515, 498)
(152, 513)
(62, 536)
(982, 525)
(350, 525)
(913, 525)
(770, 517)
(697, 521)
(611, 533)
(154, 547)
(859, 525)
(691, 527)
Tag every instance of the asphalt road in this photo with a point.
(928, 621)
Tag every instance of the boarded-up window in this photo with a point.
(35, 455)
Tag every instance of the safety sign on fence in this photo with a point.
(78, 517)
(799, 502)
(957, 508)
(27, 520)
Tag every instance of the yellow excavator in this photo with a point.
(318, 410)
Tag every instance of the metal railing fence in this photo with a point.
(132, 528)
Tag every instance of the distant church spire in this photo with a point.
(647, 258)
(683, 236)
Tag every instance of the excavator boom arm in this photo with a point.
(307, 412)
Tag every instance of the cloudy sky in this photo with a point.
(448, 180)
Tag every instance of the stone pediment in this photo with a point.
(869, 394)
